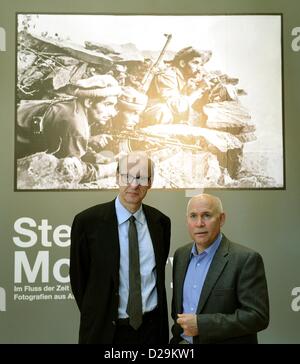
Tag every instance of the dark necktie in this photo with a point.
(134, 307)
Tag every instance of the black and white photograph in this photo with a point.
(201, 95)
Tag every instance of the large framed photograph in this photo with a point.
(201, 95)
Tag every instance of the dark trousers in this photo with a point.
(147, 334)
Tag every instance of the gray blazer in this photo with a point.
(234, 303)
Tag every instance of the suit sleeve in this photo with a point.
(252, 314)
(79, 261)
(164, 325)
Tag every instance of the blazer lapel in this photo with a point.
(181, 268)
(217, 265)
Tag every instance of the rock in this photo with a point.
(246, 137)
(180, 168)
(229, 116)
(44, 171)
(75, 50)
(116, 52)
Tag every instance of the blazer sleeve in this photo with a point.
(176, 328)
(79, 261)
(252, 312)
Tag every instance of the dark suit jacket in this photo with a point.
(234, 303)
(94, 269)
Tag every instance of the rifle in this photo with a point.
(151, 72)
(160, 141)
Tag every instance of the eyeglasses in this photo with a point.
(140, 180)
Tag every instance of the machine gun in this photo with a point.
(152, 141)
(182, 136)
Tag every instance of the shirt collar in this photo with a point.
(123, 214)
(210, 250)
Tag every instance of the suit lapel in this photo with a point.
(154, 234)
(217, 265)
(112, 234)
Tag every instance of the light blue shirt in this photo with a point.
(147, 260)
(195, 277)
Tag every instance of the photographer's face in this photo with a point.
(101, 111)
(204, 221)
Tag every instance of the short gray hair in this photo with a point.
(216, 200)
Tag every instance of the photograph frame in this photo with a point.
(182, 173)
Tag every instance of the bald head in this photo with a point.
(205, 217)
(214, 201)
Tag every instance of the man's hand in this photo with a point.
(107, 170)
(104, 140)
(188, 322)
(93, 157)
(98, 142)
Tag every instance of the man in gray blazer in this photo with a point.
(219, 287)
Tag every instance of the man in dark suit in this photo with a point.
(100, 265)
(219, 287)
